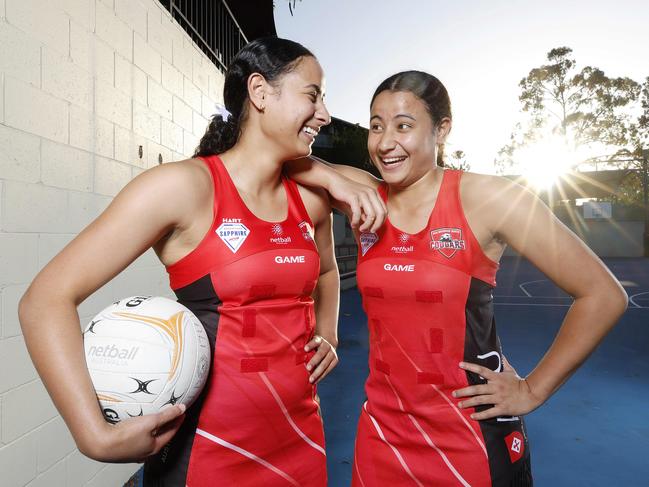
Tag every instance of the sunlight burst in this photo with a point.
(543, 162)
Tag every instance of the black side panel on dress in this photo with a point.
(481, 339)
(169, 467)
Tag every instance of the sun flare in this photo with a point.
(543, 162)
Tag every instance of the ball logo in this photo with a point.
(112, 352)
(277, 229)
(173, 399)
(399, 267)
(136, 301)
(111, 415)
(91, 326)
(289, 259)
(141, 413)
(447, 241)
(142, 386)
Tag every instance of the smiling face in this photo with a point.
(294, 110)
(402, 140)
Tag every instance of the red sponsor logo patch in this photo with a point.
(515, 446)
(307, 231)
(447, 241)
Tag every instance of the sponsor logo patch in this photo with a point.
(367, 241)
(233, 234)
(447, 241)
(277, 230)
(399, 267)
(515, 446)
(404, 238)
(289, 259)
(307, 231)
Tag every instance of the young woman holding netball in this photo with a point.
(257, 421)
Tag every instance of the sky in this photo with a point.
(480, 50)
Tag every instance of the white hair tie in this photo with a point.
(223, 112)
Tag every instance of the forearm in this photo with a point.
(327, 300)
(587, 322)
(314, 172)
(53, 337)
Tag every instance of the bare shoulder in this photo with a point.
(186, 174)
(489, 192)
(174, 185)
(500, 205)
(316, 202)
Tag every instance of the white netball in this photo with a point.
(144, 352)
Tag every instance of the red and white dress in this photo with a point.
(428, 299)
(250, 282)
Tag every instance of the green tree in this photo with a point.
(585, 108)
(291, 5)
(457, 160)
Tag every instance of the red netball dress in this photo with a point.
(250, 282)
(428, 299)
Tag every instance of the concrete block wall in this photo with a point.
(84, 84)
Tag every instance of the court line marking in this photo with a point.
(636, 304)
(521, 286)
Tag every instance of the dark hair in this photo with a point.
(271, 57)
(428, 89)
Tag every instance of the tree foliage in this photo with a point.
(584, 107)
(457, 160)
(291, 5)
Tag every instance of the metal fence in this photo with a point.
(211, 26)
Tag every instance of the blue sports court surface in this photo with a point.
(593, 432)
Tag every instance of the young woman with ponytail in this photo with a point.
(443, 405)
(245, 249)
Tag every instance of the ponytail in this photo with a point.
(271, 57)
(220, 136)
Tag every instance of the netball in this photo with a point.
(143, 353)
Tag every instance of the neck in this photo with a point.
(424, 189)
(253, 170)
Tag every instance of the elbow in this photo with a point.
(615, 300)
(25, 309)
(621, 300)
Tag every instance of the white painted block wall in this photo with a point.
(83, 84)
